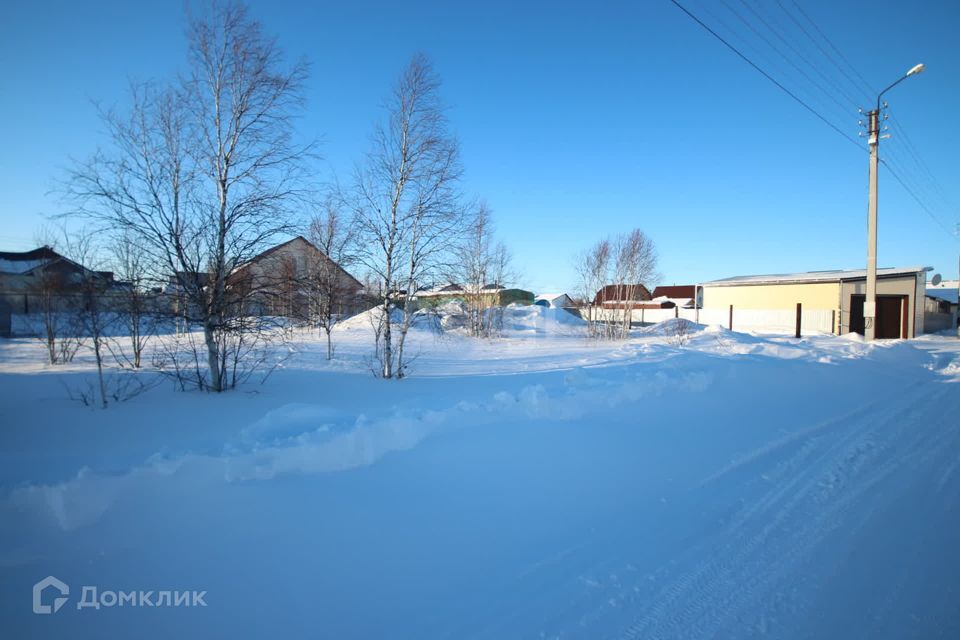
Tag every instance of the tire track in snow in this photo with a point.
(751, 565)
(610, 590)
(594, 591)
(939, 452)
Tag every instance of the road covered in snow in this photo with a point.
(542, 485)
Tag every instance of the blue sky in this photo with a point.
(577, 119)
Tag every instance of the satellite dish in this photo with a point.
(936, 279)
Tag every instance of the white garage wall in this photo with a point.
(774, 321)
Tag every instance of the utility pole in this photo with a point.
(870, 305)
(873, 129)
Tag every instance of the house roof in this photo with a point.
(454, 289)
(674, 291)
(618, 293)
(23, 262)
(273, 249)
(266, 253)
(678, 302)
(838, 275)
(950, 295)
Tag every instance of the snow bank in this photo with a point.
(300, 438)
(520, 320)
(515, 320)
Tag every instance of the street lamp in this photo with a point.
(870, 304)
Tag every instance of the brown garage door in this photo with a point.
(891, 315)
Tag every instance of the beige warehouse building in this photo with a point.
(900, 295)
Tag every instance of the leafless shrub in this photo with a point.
(120, 386)
(482, 266)
(331, 290)
(625, 262)
(677, 331)
(137, 300)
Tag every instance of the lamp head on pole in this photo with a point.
(915, 70)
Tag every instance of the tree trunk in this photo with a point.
(387, 341)
(403, 337)
(103, 386)
(213, 358)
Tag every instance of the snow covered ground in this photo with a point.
(541, 485)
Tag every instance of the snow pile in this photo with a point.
(672, 327)
(521, 320)
(450, 315)
(515, 320)
(423, 320)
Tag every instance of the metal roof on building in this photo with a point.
(838, 275)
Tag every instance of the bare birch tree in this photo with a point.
(407, 204)
(331, 289)
(136, 302)
(635, 266)
(481, 268)
(92, 313)
(593, 266)
(203, 173)
(53, 296)
(621, 267)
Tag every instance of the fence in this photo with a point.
(934, 322)
(775, 321)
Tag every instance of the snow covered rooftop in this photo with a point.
(680, 302)
(813, 276)
(950, 295)
(20, 262)
(456, 289)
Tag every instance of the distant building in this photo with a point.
(555, 301)
(23, 274)
(900, 295)
(491, 294)
(44, 280)
(945, 284)
(683, 296)
(282, 281)
(621, 296)
(940, 309)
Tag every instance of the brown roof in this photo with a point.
(271, 250)
(675, 291)
(621, 292)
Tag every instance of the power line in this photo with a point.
(756, 32)
(830, 81)
(870, 90)
(922, 188)
(920, 185)
(763, 56)
(832, 63)
(925, 171)
(913, 195)
(767, 75)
